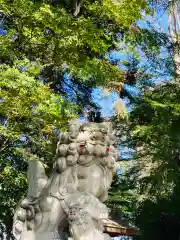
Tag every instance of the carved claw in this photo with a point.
(21, 215)
(30, 213)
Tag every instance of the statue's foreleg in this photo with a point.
(31, 220)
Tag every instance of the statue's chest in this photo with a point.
(89, 179)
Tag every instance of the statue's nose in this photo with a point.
(82, 144)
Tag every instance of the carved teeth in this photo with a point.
(82, 144)
(81, 148)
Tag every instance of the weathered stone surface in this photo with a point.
(74, 194)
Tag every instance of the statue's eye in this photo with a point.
(104, 131)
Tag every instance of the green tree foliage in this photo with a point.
(29, 113)
(155, 135)
(121, 201)
(160, 219)
(44, 31)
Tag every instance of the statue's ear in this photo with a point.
(37, 178)
(114, 132)
(111, 130)
(110, 127)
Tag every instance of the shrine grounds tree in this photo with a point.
(45, 31)
(30, 113)
(155, 135)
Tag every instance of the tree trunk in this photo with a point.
(174, 31)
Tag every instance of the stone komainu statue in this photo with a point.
(73, 195)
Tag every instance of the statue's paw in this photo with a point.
(25, 203)
(18, 227)
(30, 225)
(26, 212)
(23, 230)
(21, 215)
(30, 213)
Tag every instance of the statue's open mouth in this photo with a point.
(82, 144)
(82, 147)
